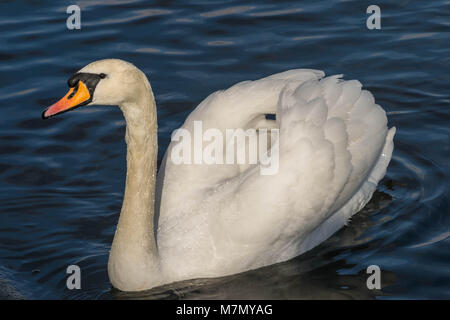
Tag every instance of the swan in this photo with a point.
(211, 220)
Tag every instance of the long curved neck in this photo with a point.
(142, 148)
(134, 259)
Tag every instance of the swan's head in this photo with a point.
(103, 82)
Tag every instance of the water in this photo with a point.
(62, 180)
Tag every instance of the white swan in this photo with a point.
(217, 220)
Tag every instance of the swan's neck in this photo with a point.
(133, 264)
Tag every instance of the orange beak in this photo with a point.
(76, 97)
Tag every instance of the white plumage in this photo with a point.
(215, 220)
(334, 148)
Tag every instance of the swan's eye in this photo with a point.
(102, 75)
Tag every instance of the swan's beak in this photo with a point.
(76, 97)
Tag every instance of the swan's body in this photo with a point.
(216, 220)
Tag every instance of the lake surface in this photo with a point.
(62, 180)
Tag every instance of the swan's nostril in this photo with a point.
(89, 79)
(74, 91)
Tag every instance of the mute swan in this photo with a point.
(215, 220)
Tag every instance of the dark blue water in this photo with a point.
(62, 180)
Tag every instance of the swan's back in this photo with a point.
(334, 147)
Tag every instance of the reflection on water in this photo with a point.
(62, 180)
